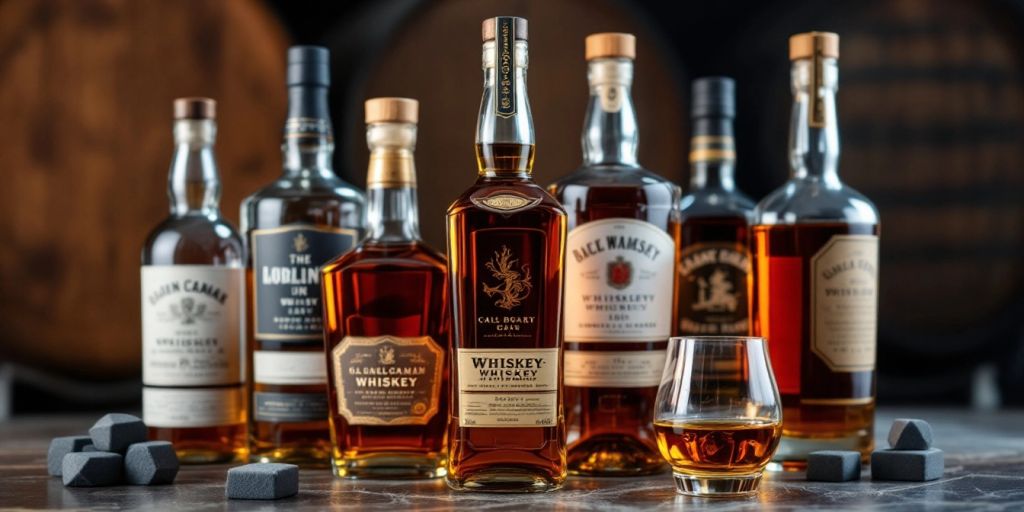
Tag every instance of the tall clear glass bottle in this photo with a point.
(302, 220)
(193, 391)
(619, 268)
(506, 245)
(386, 323)
(816, 267)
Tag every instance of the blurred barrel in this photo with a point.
(86, 144)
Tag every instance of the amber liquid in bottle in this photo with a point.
(717, 447)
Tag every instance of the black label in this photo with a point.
(713, 281)
(510, 269)
(505, 67)
(286, 267)
(289, 407)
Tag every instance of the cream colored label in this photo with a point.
(508, 387)
(192, 408)
(289, 368)
(627, 369)
(844, 312)
(611, 96)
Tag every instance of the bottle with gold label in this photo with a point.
(506, 244)
(618, 275)
(816, 268)
(713, 273)
(386, 321)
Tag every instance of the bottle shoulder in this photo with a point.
(813, 200)
(193, 239)
(388, 257)
(716, 203)
(330, 202)
(614, 176)
(477, 197)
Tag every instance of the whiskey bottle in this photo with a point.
(619, 266)
(305, 218)
(713, 272)
(386, 322)
(192, 300)
(816, 268)
(506, 244)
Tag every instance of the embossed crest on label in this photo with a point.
(505, 202)
(844, 305)
(387, 380)
(508, 387)
(505, 67)
(714, 280)
(510, 264)
(611, 97)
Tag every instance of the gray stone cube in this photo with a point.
(150, 463)
(833, 466)
(91, 469)
(61, 446)
(115, 432)
(907, 465)
(910, 434)
(263, 481)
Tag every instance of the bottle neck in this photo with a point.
(308, 136)
(610, 134)
(392, 214)
(193, 184)
(712, 154)
(504, 130)
(814, 134)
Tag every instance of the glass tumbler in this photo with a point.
(718, 416)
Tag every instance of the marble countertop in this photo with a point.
(984, 470)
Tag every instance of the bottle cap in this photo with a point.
(713, 96)
(392, 110)
(611, 45)
(490, 24)
(195, 108)
(809, 44)
(309, 65)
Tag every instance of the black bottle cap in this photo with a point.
(309, 65)
(713, 96)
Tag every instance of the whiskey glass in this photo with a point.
(718, 417)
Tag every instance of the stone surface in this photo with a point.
(92, 469)
(115, 432)
(150, 463)
(907, 465)
(833, 466)
(263, 481)
(910, 434)
(61, 446)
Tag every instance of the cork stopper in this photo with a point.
(610, 45)
(195, 108)
(392, 110)
(490, 24)
(809, 44)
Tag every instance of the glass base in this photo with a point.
(505, 481)
(716, 486)
(391, 466)
(614, 455)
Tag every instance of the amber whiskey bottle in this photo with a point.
(714, 269)
(619, 267)
(302, 220)
(506, 244)
(193, 391)
(816, 268)
(386, 321)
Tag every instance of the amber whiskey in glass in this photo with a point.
(293, 226)
(619, 266)
(506, 243)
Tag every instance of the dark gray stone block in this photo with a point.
(92, 469)
(89, 447)
(263, 481)
(150, 463)
(833, 466)
(907, 465)
(910, 434)
(61, 446)
(115, 432)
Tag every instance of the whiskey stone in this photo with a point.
(150, 463)
(263, 481)
(910, 434)
(907, 465)
(89, 447)
(833, 466)
(115, 432)
(91, 469)
(61, 446)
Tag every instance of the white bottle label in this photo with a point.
(618, 282)
(625, 369)
(289, 368)
(191, 325)
(192, 408)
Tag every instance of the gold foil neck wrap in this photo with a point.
(712, 148)
(391, 168)
(392, 110)
(814, 44)
(610, 45)
(489, 29)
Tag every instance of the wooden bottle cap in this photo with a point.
(392, 110)
(195, 108)
(809, 44)
(490, 24)
(611, 45)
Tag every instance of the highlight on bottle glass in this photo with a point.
(718, 416)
